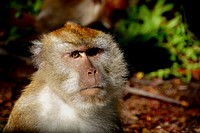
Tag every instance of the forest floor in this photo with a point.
(173, 107)
(164, 106)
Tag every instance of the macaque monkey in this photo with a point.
(77, 87)
(54, 13)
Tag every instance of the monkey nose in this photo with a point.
(91, 72)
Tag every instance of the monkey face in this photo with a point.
(83, 61)
(90, 77)
(90, 80)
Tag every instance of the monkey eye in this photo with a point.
(93, 51)
(75, 54)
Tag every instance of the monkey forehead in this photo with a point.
(75, 33)
(78, 36)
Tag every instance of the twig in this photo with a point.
(140, 92)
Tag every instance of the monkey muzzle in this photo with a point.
(91, 91)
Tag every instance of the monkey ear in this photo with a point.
(36, 50)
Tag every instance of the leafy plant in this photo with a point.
(13, 12)
(31, 6)
(172, 34)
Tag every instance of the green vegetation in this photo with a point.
(171, 33)
(14, 11)
(31, 6)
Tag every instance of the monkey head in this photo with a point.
(86, 65)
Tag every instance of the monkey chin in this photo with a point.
(93, 95)
(91, 91)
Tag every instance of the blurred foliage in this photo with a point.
(171, 33)
(31, 6)
(14, 16)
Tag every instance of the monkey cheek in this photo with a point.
(90, 92)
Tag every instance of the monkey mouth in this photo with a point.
(91, 91)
